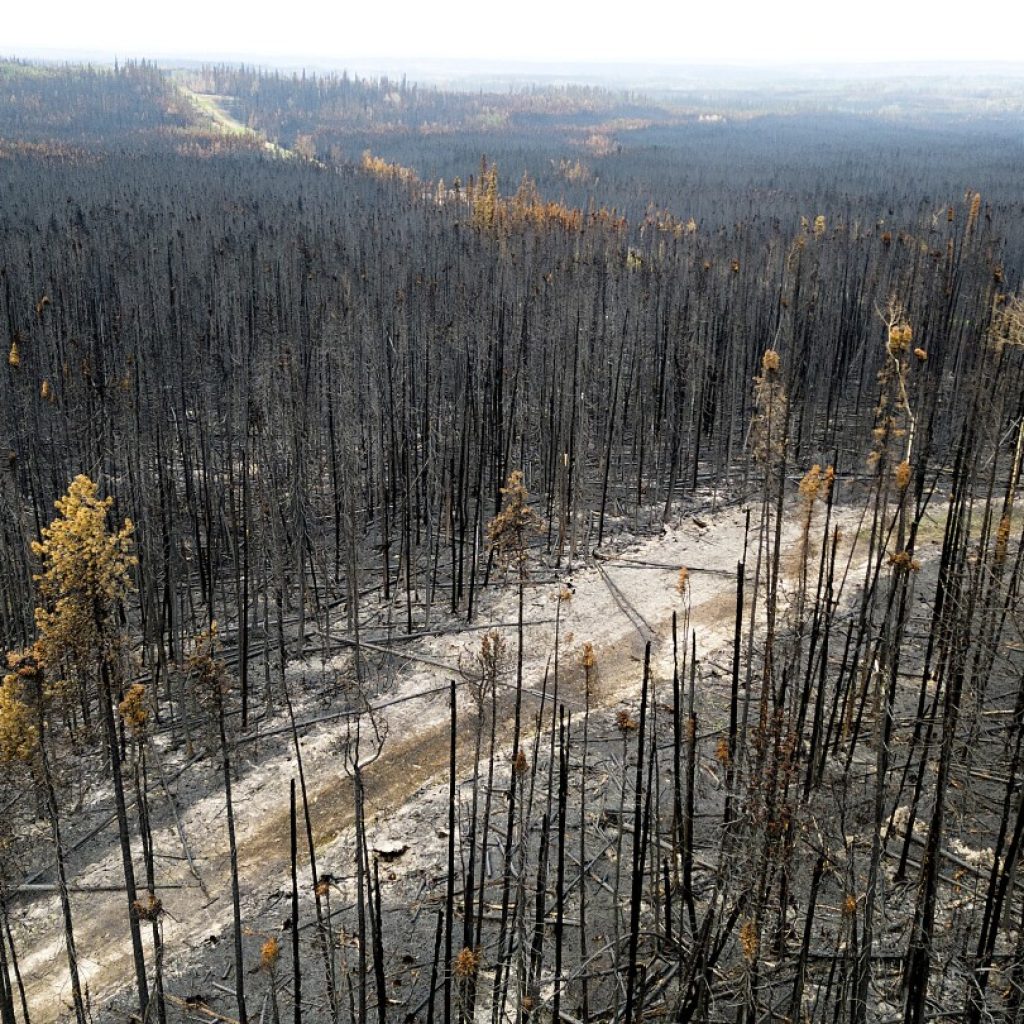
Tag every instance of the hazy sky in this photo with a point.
(690, 31)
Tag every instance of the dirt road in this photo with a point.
(643, 575)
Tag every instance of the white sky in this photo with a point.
(656, 31)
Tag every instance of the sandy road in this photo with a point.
(210, 107)
(414, 754)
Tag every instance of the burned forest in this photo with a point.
(509, 554)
